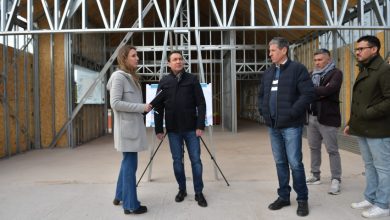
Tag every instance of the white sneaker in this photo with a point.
(375, 212)
(334, 188)
(312, 180)
(361, 205)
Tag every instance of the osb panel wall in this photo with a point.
(381, 36)
(60, 88)
(304, 53)
(348, 58)
(20, 103)
(92, 47)
(46, 98)
(89, 123)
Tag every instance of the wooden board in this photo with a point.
(45, 92)
(19, 103)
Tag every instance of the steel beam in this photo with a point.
(333, 18)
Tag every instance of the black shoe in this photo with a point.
(180, 195)
(303, 208)
(200, 199)
(116, 202)
(141, 209)
(278, 204)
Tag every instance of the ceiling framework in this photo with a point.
(115, 16)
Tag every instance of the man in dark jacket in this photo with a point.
(285, 93)
(325, 119)
(370, 121)
(184, 106)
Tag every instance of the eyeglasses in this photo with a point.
(360, 49)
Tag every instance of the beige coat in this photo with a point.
(127, 105)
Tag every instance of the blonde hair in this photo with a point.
(122, 62)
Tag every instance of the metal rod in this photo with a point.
(151, 158)
(215, 162)
(52, 87)
(16, 87)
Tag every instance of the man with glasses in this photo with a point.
(370, 121)
(325, 119)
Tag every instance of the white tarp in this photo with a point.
(151, 90)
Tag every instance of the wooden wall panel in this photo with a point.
(46, 99)
(45, 90)
(18, 91)
(92, 47)
(346, 87)
(60, 88)
(2, 130)
(11, 100)
(304, 53)
(89, 123)
(26, 99)
(381, 36)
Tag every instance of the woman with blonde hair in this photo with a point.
(129, 129)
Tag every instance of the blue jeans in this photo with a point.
(287, 150)
(177, 149)
(376, 157)
(126, 190)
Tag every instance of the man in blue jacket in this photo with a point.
(285, 93)
(184, 106)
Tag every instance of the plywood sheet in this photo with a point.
(45, 90)
(60, 88)
(2, 131)
(18, 89)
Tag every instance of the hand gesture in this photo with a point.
(199, 132)
(148, 107)
(346, 130)
(160, 136)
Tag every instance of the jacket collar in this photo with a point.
(282, 66)
(374, 64)
(183, 73)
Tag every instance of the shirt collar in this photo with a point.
(284, 62)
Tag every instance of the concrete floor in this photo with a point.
(80, 183)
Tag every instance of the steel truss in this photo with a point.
(57, 17)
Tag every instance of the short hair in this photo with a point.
(322, 51)
(371, 40)
(173, 52)
(122, 57)
(280, 42)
